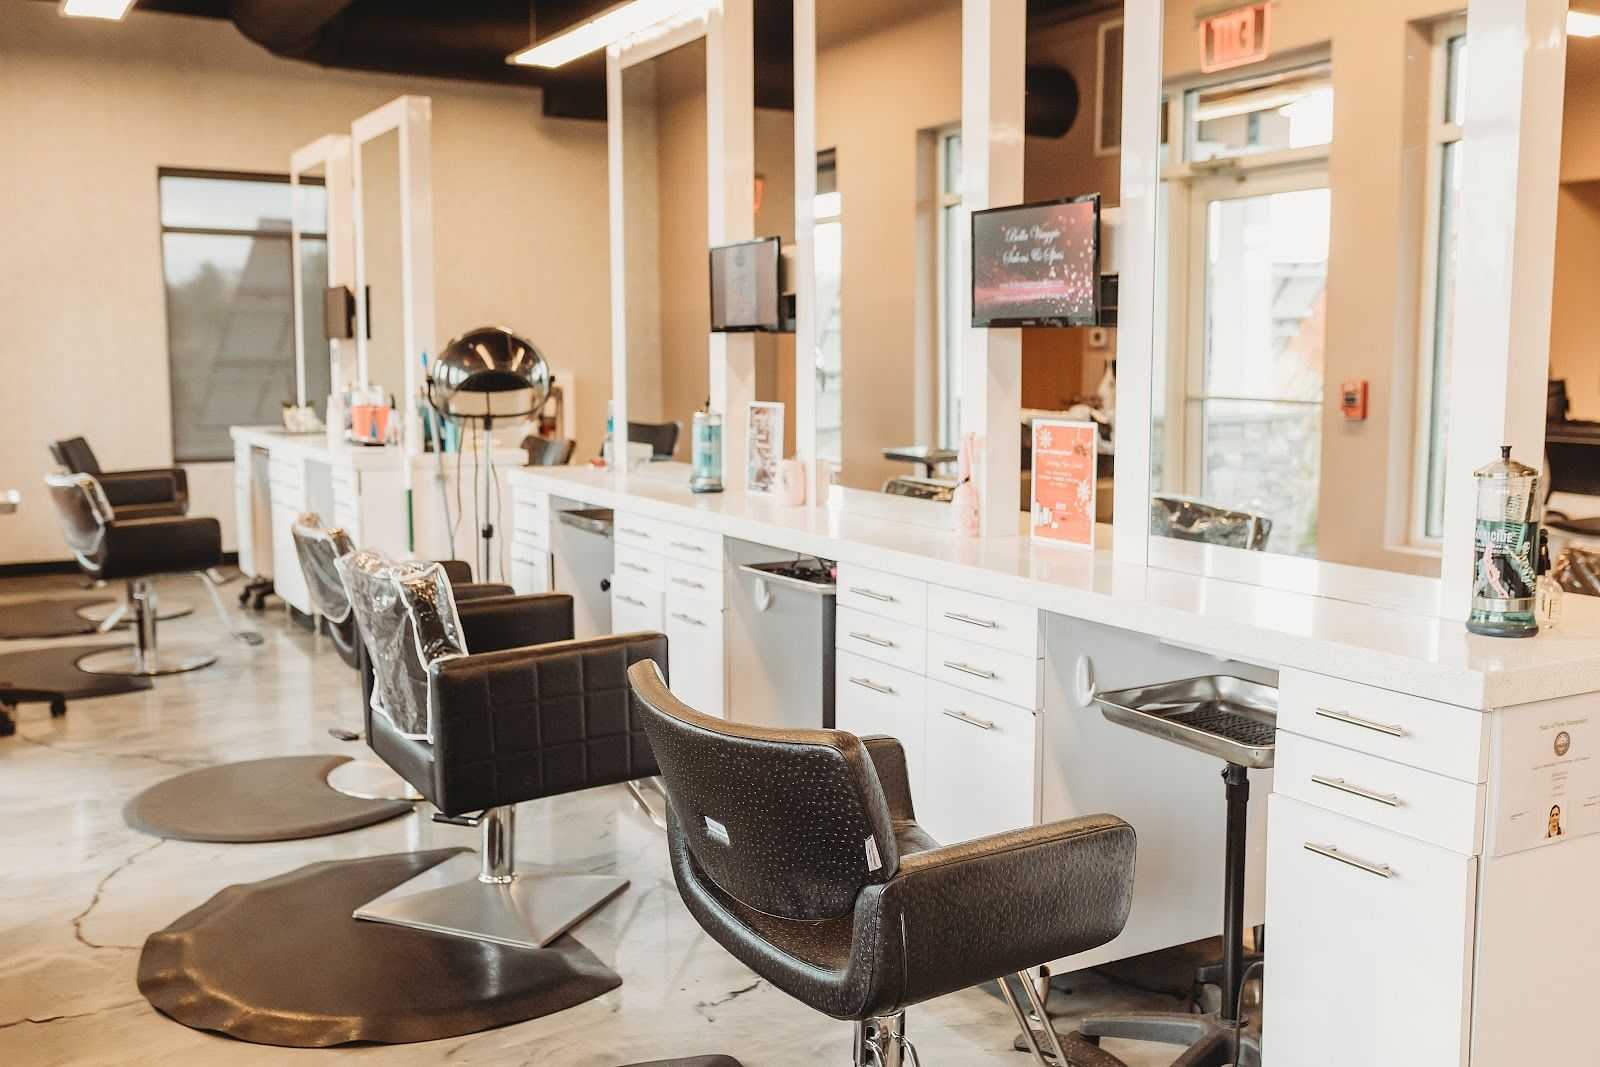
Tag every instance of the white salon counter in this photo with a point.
(1404, 650)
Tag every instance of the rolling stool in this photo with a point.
(1236, 721)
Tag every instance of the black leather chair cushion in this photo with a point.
(75, 455)
(139, 548)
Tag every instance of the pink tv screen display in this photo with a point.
(1037, 264)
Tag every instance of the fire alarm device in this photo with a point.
(1353, 400)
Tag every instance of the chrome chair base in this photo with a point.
(529, 911)
(882, 1042)
(370, 780)
(130, 661)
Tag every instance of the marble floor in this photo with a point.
(79, 890)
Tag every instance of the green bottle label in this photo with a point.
(1504, 551)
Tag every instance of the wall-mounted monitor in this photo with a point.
(747, 287)
(1037, 264)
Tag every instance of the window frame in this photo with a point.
(1103, 31)
(287, 236)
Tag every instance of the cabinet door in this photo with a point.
(980, 766)
(694, 653)
(873, 698)
(1370, 930)
(244, 521)
(288, 581)
(634, 608)
(530, 570)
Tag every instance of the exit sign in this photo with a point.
(1235, 38)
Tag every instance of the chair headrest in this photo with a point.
(318, 548)
(84, 511)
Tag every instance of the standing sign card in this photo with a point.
(763, 447)
(1064, 458)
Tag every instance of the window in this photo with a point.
(226, 262)
(1108, 90)
(952, 286)
(829, 252)
(1279, 112)
(1445, 118)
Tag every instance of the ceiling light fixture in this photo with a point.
(608, 28)
(1582, 24)
(111, 10)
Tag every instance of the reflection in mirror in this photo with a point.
(380, 209)
(1305, 266)
(774, 191)
(664, 209)
(311, 223)
(889, 274)
(1073, 149)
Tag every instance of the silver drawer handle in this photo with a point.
(687, 582)
(869, 639)
(687, 547)
(976, 672)
(1388, 799)
(687, 618)
(882, 598)
(874, 686)
(1382, 870)
(630, 600)
(633, 533)
(1366, 724)
(635, 567)
(987, 624)
(970, 720)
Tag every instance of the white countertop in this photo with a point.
(1406, 650)
(315, 447)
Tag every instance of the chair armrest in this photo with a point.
(492, 624)
(139, 487)
(889, 760)
(997, 905)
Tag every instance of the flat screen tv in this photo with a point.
(1037, 264)
(747, 287)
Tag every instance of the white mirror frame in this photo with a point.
(728, 28)
(332, 154)
(1505, 266)
(411, 117)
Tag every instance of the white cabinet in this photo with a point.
(695, 654)
(874, 698)
(980, 765)
(1371, 944)
(635, 608)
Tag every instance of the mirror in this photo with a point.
(665, 219)
(314, 351)
(884, 361)
(380, 248)
(774, 192)
(1304, 276)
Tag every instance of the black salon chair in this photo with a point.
(799, 852)
(133, 494)
(137, 551)
(662, 437)
(481, 706)
(548, 451)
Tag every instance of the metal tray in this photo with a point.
(773, 572)
(600, 521)
(1230, 718)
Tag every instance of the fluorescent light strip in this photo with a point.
(111, 10)
(608, 28)
(1582, 24)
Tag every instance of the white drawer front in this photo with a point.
(535, 505)
(692, 580)
(1423, 733)
(635, 607)
(530, 571)
(640, 531)
(871, 698)
(701, 548)
(695, 654)
(888, 595)
(888, 641)
(1003, 675)
(985, 620)
(639, 565)
(347, 478)
(533, 537)
(980, 755)
(1417, 803)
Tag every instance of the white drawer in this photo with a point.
(635, 607)
(888, 641)
(640, 531)
(980, 755)
(1422, 733)
(345, 478)
(1417, 803)
(688, 579)
(870, 698)
(701, 548)
(287, 473)
(888, 595)
(640, 565)
(985, 620)
(535, 505)
(695, 654)
(531, 537)
(1003, 675)
(530, 572)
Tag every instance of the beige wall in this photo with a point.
(1575, 313)
(89, 111)
(1377, 174)
(875, 92)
